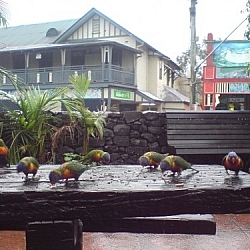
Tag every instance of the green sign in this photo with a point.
(122, 94)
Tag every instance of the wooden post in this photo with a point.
(54, 235)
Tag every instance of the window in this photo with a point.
(96, 25)
(18, 61)
(160, 70)
(46, 60)
(117, 57)
(77, 57)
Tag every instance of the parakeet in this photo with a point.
(232, 162)
(67, 170)
(97, 156)
(175, 163)
(28, 165)
(151, 159)
(3, 154)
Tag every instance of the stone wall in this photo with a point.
(127, 136)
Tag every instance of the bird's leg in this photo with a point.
(171, 175)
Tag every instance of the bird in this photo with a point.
(96, 156)
(232, 162)
(3, 154)
(176, 164)
(151, 159)
(67, 170)
(28, 165)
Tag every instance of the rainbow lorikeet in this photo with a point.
(97, 156)
(28, 165)
(67, 170)
(232, 162)
(3, 154)
(151, 159)
(175, 163)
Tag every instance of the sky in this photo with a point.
(163, 24)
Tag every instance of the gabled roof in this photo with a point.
(49, 33)
(85, 18)
(93, 12)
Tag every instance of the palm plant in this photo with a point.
(31, 123)
(81, 117)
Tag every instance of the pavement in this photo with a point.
(232, 233)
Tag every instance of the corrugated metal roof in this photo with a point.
(173, 95)
(150, 96)
(33, 33)
(34, 47)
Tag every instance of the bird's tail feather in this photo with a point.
(196, 171)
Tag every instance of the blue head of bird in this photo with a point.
(164, 166)
(143, 161)
(232, 156)
(105, 158)
(21, 167)
(54, 177)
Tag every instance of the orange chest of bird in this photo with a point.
(233, 165)
(175, 167)
(67, 174)
(3, 151)
(32, 168)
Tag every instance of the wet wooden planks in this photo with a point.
(123, 191)
(119, 198)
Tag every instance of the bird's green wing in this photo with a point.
(76, 167)
(34, 161)
(157, 157)
(182, 163)
(89, 157)
(241, 163)
(223, 160)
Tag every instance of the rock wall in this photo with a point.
(127, 136)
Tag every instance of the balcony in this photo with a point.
(60, 75)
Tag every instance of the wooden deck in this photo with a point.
(118, 191)
(118, 198)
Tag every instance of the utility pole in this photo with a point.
(192, 11)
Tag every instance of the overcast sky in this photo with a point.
(164, 24)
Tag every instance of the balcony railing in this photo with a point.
(60, 75)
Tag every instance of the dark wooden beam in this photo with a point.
(179, 224)
(117, 192)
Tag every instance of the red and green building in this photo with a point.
(225, 74)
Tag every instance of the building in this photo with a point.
(126, 73)
(226, 84)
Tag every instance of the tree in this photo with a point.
(184, 62)
(4, 13)
(247, 10)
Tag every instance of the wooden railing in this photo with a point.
(60, 75)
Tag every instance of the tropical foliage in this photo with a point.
(92, 122)
(30, 124)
